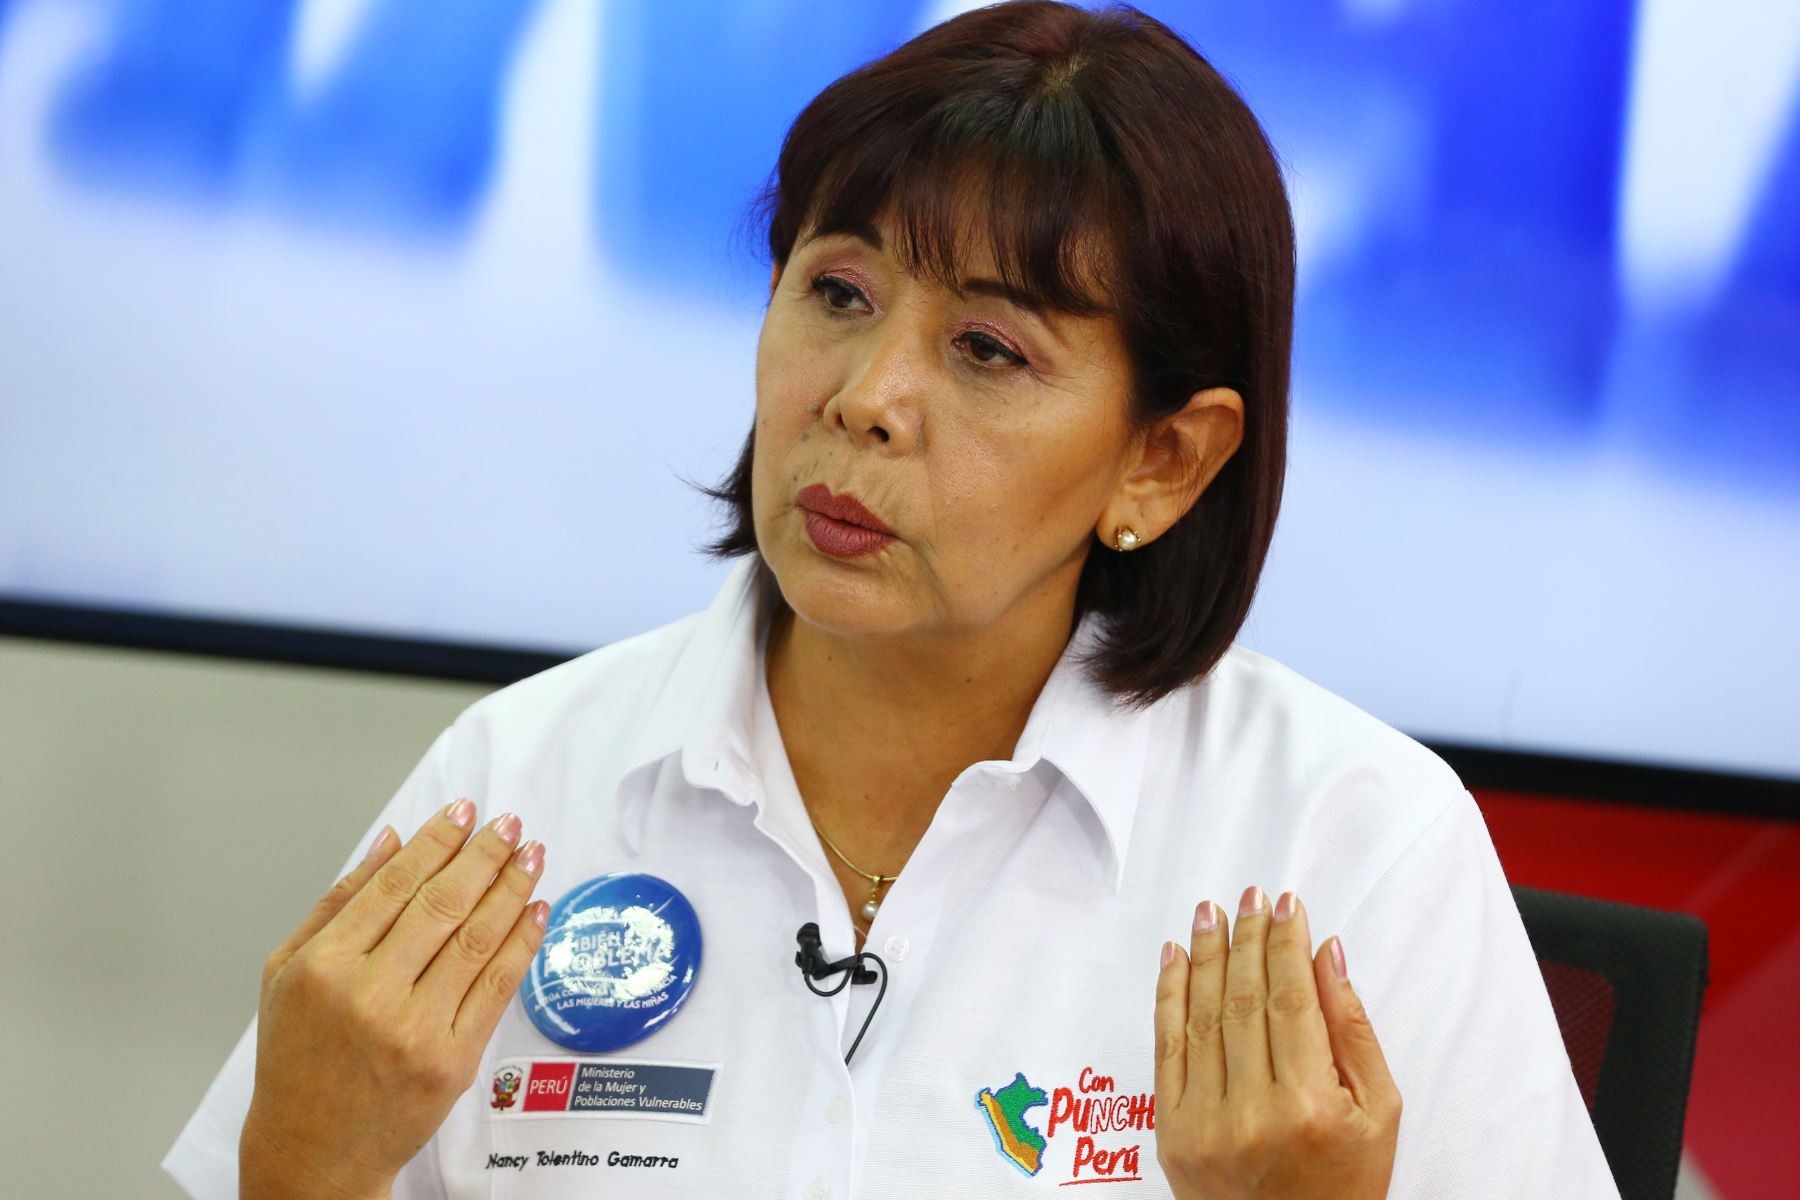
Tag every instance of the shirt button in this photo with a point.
(837, 1110)
(818, 1189)
(896, 947)
(1012, 783)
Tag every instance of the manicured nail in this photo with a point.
(540, 912)
(1168, 954)
(1253, 901)
(506, 826)
(1285, 907)
(380, 842)
(530, 857)
(1337, 959)
(462, 812)
(1206, 916)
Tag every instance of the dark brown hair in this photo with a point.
(1086, 131)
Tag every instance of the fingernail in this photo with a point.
(380, 842)
(540, 913)
(1337, 959)
(1205, 917)
(1253, 901)
(506, 825)
(462, 812)
(530, 857)
(1284, 907)
(1168, 954)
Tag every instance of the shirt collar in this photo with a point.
(704, 712)
(1101, 748)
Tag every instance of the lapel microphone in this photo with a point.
(811, 960)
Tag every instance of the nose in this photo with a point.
(879, 402)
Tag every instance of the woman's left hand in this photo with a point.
(1269, 1080)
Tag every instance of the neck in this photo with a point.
(877, 728)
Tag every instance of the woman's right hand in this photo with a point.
(375, 1012)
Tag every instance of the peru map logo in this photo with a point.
(1109, 1122)
(1018, 1142)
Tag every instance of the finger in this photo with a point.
(1299, 1047)
(476, 941)
(1206, 1002)
(1354, 1048)
(369, 914)
(1171, 1027)
(444, 901)
(1247, 1068)
(493, 989)
(332, 902)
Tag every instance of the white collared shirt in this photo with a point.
(1022, 937)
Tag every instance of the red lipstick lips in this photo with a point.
(839, 525)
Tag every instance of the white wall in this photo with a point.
(166, 820)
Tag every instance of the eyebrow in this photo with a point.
(975, 287)
(993, 287)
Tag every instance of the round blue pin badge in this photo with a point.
(619, 959)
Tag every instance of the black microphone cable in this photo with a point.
(812, 964)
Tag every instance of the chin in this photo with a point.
(862, 597)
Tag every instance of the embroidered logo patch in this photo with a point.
(506, 1088)
(1100, 1116)
(603, 1087)
(1018, 1143)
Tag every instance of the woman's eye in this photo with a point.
(842, 296)
(836, 292)
(988, 352)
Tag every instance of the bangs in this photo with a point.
(1027, 173)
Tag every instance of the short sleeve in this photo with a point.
(204, 1158)
(1490, 1106)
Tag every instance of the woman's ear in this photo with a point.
(774, 279)
(1173, 462)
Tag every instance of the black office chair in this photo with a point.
(1626, 984)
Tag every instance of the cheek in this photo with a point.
(791, 388)
(1036, 490)
(793, 380)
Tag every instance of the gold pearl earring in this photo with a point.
(1125, 539)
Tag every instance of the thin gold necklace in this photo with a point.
(873, 904)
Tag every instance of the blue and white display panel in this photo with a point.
(410, 316)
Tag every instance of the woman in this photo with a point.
(969, 702)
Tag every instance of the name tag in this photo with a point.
(607, 1087)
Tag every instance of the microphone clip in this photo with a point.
(812, 963)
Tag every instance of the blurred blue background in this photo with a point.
(409, 315)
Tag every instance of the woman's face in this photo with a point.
(989, 439)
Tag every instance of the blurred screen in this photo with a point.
(414, 317)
